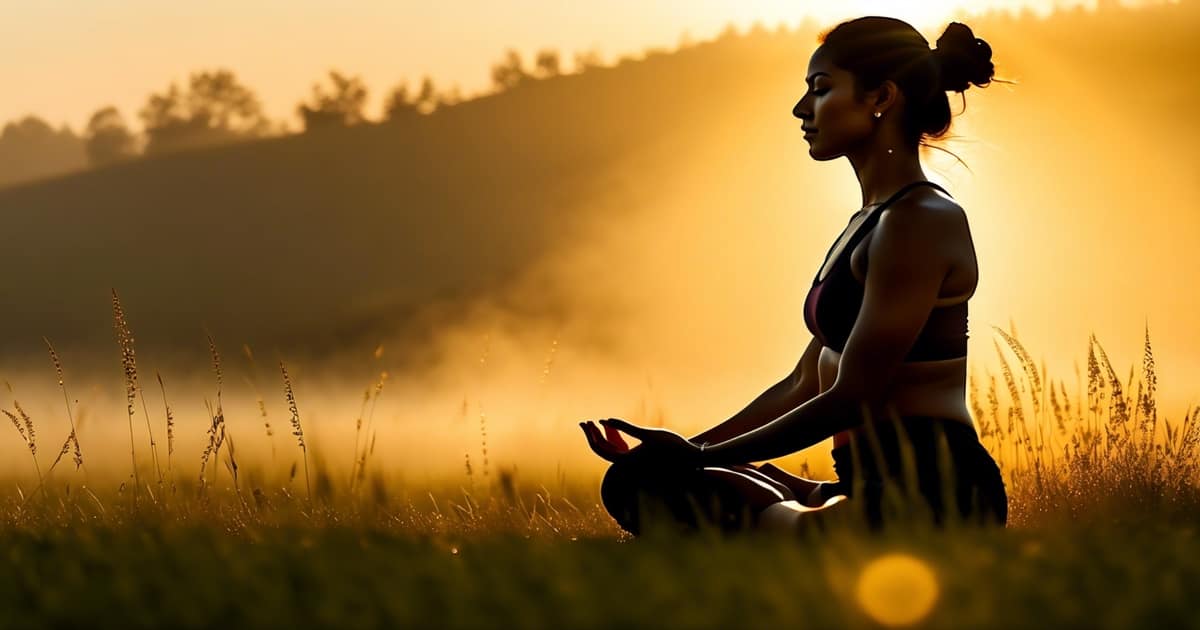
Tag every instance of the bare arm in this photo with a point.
(907, 269)
(794, 390)
(828, 413)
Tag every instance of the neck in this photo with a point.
(879, 173)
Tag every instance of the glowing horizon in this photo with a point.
(91, 55)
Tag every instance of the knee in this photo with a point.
(619, 495)
(636, 496)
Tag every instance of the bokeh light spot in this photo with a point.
(897, 589)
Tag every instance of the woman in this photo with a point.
(885, 373)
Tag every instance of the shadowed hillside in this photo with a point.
(310, 239)
(681, 177)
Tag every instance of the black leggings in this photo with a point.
(949, 475)
(871, 470)
(640, 497)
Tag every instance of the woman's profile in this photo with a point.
(885, 373)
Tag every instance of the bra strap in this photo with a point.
(872, 218)
(907, 187)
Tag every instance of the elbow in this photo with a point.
(860, 402)
(803, 390)
(847, 392)
(871, 390)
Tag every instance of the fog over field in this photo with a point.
(633, 241)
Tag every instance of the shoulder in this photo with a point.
(926, 223)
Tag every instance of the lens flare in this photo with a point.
(897, 589)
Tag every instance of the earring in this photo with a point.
(878, 114)
(889, 151)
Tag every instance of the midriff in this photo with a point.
(919, 388)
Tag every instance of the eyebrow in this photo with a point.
(817, 74)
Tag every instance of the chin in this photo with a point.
(822, 153)
(821, 157)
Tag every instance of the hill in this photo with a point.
(674, 177)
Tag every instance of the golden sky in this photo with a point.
(1073, 236)
(63, 59)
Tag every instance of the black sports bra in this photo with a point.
(832, 304)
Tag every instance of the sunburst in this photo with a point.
(925, 15)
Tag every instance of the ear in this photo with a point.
(886, 96)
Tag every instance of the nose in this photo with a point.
(801, 112)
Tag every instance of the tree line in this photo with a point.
(213, 107)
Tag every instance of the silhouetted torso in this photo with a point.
(932, 379)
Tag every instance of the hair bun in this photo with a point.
(963, 59)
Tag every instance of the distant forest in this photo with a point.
(436, 213)
(215, 108)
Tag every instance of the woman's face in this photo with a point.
(834, 122)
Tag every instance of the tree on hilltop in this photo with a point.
(30, 148)
(398, 104)
(341, 106)
(107, 139)
(509, 73)
(427, 97)
(547, 64)
(215, 109)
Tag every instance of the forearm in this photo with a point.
(777, 400)
(806, 425)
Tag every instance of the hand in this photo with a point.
(611, 446)
(660, 445)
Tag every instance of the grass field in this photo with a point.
(208, 565)
(338, 575)
(1102, 534)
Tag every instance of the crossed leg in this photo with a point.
(730, 497)
(781, 511)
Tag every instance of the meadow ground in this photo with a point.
(233, 567)
(1102, 534)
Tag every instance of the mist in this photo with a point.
(635, 241)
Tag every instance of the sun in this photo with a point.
(926, 15)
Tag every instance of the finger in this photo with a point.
(631, 429)
(590, 434)
(587, 434)
(614, 436)
(593, 435)
(599, 449)
(598, 444)
(595, 431)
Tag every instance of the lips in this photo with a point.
(809, 132)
